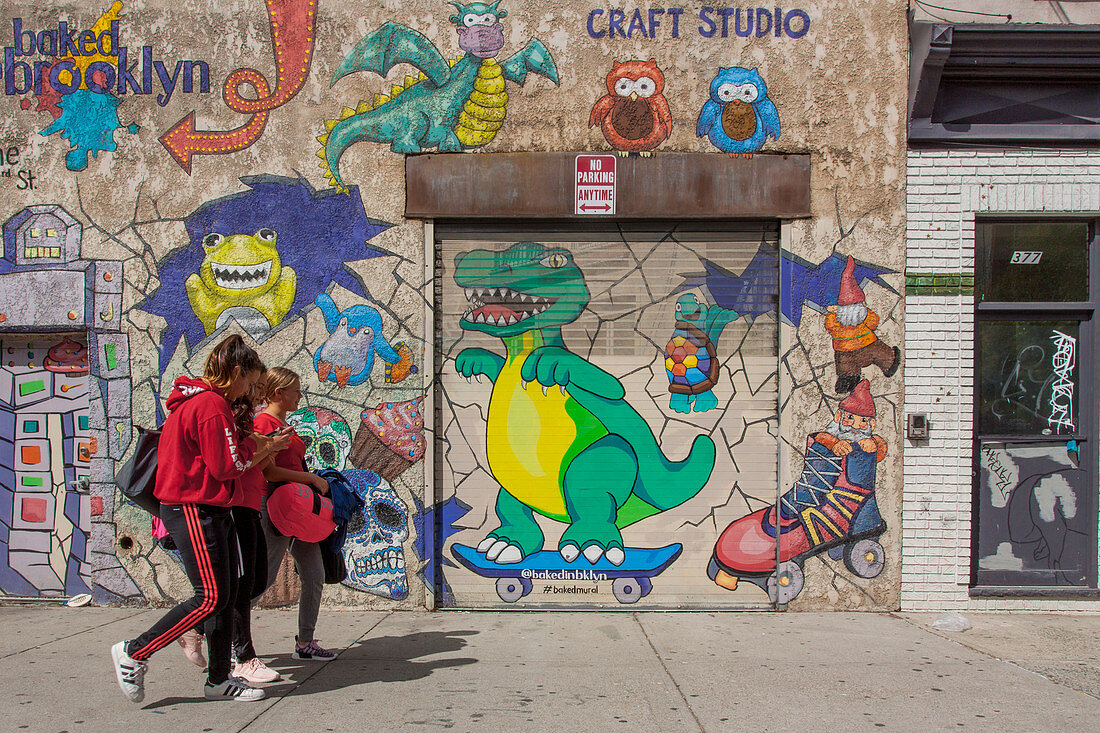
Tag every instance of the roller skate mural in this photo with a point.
(831, 508)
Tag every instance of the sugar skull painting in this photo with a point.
(326, 435)
(372, 550)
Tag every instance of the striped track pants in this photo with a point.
(206, 541)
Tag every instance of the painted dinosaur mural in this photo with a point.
(562, 440)
(451, 105)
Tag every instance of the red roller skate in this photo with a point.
(831, 508)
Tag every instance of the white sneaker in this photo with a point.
(233, 689)
(129, 672)
(255, 672)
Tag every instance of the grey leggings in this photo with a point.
(311, 572)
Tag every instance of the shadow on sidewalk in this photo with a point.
(379, 659)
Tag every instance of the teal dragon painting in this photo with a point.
(450, 105)
(561, 439)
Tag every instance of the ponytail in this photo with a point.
(231, 352)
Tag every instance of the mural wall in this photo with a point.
(213, 170)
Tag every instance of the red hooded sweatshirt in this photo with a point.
(198, 455)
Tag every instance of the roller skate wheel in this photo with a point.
(865, 558)
(786, 583)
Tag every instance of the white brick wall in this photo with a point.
(945, 190)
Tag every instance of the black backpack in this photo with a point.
(138, 476)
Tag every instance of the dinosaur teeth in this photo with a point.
(512, 319)
(470, 293)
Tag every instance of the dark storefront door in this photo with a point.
(1035, 417)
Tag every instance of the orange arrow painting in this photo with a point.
(292, 45)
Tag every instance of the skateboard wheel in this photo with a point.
(646, 585)
(511, 590)
(629, 590)
(865, 558)
(786, 583)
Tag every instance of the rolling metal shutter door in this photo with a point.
(634, 277)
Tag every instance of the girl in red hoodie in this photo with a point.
(199, 458)
(250, 538)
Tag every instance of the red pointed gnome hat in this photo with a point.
(860, 401)
(850, 292)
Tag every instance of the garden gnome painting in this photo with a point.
(852, 325)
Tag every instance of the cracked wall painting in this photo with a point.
(271, 261)
(58, 394)
(449, 105)
(587, 479)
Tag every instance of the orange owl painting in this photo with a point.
(634, 114)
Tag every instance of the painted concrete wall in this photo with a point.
(259, 123)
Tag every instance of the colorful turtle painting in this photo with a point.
(691, 359)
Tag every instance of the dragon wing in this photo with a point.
(394, 44)
(534, 57)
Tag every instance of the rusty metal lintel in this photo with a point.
(665, 186)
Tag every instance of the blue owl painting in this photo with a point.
(738, 117)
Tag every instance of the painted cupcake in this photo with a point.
(390, 438)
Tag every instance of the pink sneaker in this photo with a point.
(192, 642)
(256, 672)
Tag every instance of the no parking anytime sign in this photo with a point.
(594, 184)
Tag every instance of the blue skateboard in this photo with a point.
(630, 582)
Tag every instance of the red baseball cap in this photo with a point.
(296, 510)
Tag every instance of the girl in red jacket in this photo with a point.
(199, 456)
(284, 391)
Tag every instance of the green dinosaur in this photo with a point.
(561, 439)
(451, 106)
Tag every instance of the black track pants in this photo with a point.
(205, 538)
(253, 581)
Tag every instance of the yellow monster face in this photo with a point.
(241, 278)
(240, 265)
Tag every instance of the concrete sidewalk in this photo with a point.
(574, 672)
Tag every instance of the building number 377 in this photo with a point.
(1025, 258)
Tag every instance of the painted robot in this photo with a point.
(451, 106)
(691, 358)
(561, 438)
